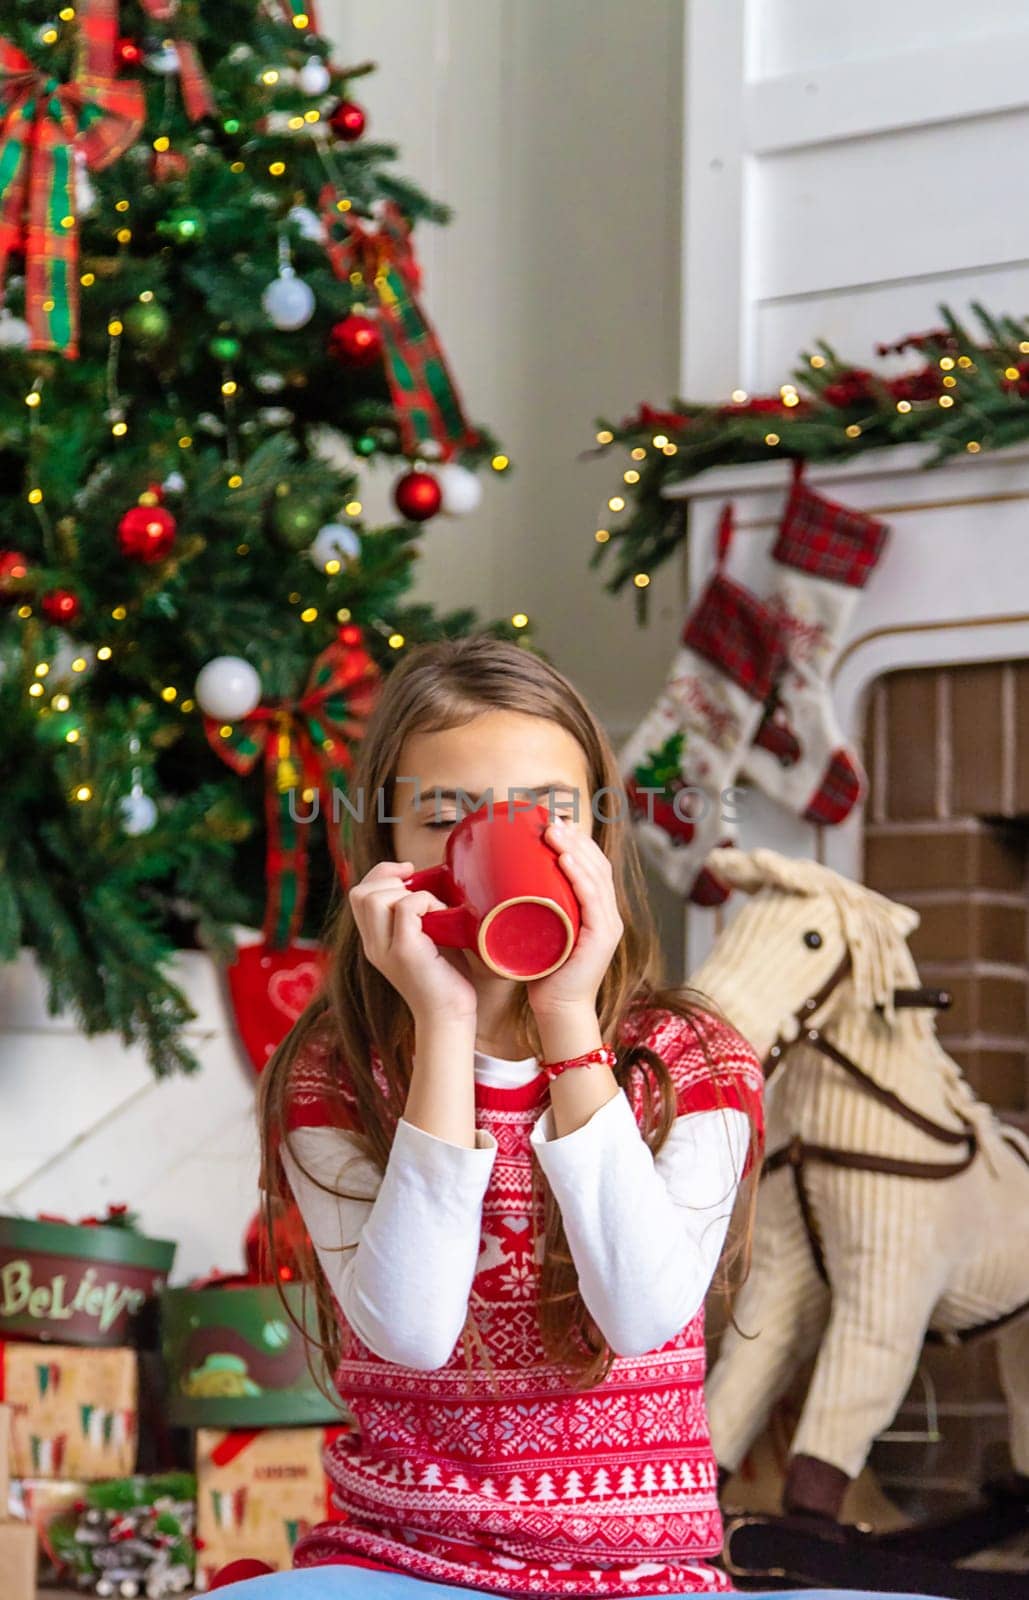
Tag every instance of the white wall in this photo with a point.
(554, 131)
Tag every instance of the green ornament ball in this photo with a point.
(147, 322)
(365, 444)
(183, 225)
(225, 347)
(296, 520)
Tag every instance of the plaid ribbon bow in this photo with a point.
(305, 745)
(42, 122)
(424, 394)
(196, 91)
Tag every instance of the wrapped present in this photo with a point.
(40, 1502)
(235, 1358)
(73, 1410)
(257, 1492)
(132, 1537)
(86, 1282)
(18, 1565)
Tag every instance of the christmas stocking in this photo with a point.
(824, 555)
(688, 749)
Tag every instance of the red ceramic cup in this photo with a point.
(507, 896)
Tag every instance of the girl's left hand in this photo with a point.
(574, 985)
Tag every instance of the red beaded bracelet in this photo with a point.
(603, 1055)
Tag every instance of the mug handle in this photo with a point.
(456, 927)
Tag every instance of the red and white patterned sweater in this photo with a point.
(542, 1491)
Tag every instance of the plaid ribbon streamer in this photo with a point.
(738, 633)
(424, 394)
(305, 745)
(827, 539)
(42, 122)
(196, 91)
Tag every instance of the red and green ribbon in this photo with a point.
(196, 91)
(42, 123)
(306, 746)
(297, 8)
(425, 397)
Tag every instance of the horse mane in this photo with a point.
(875, 928)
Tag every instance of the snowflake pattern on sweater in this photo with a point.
(537, 1490)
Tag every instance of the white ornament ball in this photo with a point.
(336, 541)
(308, 222)
(270, 382)
(164, 61)
(228, 688)
(138, 812)
(288, 301)
(85, 194)
(174, 483)
(314, 76)
(14, 332)
(462, 490)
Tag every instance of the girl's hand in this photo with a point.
(574, 986)
(388, 918)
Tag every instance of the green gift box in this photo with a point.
(235, 1358)
(77, 1283)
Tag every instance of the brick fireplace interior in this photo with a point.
(947, 832)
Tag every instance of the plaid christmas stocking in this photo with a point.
(688, 749)
(824, 555)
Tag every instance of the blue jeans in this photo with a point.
(362, 1583)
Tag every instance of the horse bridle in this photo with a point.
(798, 1153)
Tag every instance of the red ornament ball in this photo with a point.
(146, 533)
(237, 1571)
(356, 341)
(418, 496)
(348, 121)
(60, 605)
(12, 565)
(128, 53)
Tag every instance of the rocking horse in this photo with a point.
(893, 1209)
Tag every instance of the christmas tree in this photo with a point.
(211, 331)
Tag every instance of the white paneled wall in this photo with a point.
(847, 170)
(555, 133)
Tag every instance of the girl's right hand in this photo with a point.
(388, 918)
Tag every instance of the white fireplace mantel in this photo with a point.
(951, 586)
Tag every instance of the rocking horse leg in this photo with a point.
(1013, 1363)
(886, 1267)
(779, 1314)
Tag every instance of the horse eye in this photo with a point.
(813, 939)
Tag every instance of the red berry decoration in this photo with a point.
(60, 605)
(418, 496)
(128, 53)
(12, 565)
(350, 634)
(146, 533)
(348, 121)
(356, 341)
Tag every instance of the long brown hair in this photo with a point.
(441, 685)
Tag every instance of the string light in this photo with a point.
(72, 736)
(947, 363)
(817, 361)
(616, 503)
(853, 431)
(225, 731)
(660, 440)
(353, 508)
(270, 75)
(87, 280)
(277, 168)
(119, 613)
(946, 400)
(1012, 372)
(185, 442)
(33, 398)
(294, 599)
(42, 668)
(186, 705)
(121, 205)
(641, 579)
(301, 20)
(235, 482)
(243, 549)
(669, 449)
(119, 429)
(500, 463)
(162, 142)
(605, 436)
(82, 793)
(639, 454)
(114, 327)
(309, 614)
(519, 620)
(35, 496)
(230, 386)
(79, 664)
(632, 476)
(903, 405)
(104, 653)
(343, 614)
(316, 116)
(973, 447)
(60, 702)
(333, 567)
(237, 166)
(36, 689)
(123, 235)
(966, 361)
(602, 536)
(950, 381)
(771, 438)
(396, 641)
(169, 693)
(24, 611)
(739, 397)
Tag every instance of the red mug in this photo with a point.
(507, 897)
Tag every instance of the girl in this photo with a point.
(517, 1193)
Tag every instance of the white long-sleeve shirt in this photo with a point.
(645, 1232)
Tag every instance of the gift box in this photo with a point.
(79, 1283)
(18, 1563)
(257, 1492)
(73, 1410)
(41, 1502)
